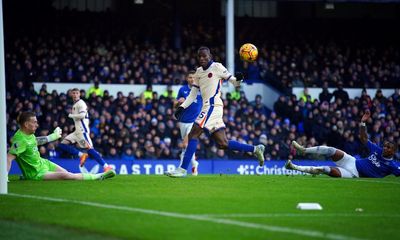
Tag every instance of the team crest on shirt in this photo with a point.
(210, 75)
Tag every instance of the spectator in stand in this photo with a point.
(325, 95)
(341, 94)
(94, 91)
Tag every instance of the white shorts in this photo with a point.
(210, 118)
(185, 128)
(347, 166)
(81, 139)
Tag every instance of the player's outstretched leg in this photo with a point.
(320, 150)
(96, 156)
(308, 169)
(74, 152)
(78, 176)
(223, 143)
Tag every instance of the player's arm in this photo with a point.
(237, 79)
(192, 96)
(363, 127)
(179, 99)
(82, 111)
(80, 115)
(50, 138)
(10, 158)
(189, 100)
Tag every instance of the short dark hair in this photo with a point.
(191, 72)
(75, 90)
(204, 48)
(24, 117)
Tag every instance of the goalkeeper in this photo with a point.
(25, 151)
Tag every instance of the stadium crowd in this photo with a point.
(135, 127)
(94, 49)
(122, 58)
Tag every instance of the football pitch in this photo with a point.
(203, 207)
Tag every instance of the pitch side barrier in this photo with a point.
(208, 166)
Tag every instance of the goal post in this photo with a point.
(3, 112)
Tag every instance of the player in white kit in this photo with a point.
(81, 135)
(208, 79)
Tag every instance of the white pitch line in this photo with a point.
(268, 215)
(268, 228)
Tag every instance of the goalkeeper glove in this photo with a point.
(179, 112)
(55, 135)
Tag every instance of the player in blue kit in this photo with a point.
(378, 164)
(208, 79)
(188, 117)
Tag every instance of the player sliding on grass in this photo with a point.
(208, 79)
(25, 151)
(379, 163)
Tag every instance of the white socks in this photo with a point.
(312, 169)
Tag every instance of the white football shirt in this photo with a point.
(81, 124)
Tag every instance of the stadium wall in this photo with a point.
(209, 166)
(268, 94)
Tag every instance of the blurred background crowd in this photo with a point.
(105, 47)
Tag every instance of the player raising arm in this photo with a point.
(208, 80)
(25, 151)
(378, 164)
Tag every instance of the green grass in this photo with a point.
(202, 207)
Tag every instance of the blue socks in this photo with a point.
(237, 146)
(75, 152)
(93, 153)
(190, 150)
(69, 149)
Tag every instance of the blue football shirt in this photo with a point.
(190, 114)
(375, 166)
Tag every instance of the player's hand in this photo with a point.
(70, 115)
(239, 76)
(179, 112)
(55, 135)
(366, 115)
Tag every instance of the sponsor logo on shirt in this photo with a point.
(374, 161)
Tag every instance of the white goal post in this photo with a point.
(3, 112)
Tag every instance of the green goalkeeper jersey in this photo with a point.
(24, 147)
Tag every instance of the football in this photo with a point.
(248, 52)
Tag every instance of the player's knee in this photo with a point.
(338, 155)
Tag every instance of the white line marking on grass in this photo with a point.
(268, 228)
(267, 215)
